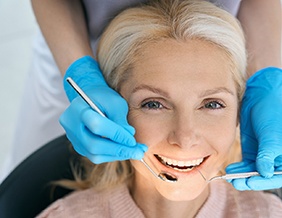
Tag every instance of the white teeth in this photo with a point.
(176, 163)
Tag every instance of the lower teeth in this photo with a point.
(178, 168)
(183, 169)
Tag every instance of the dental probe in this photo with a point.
(163, 176)
(237, 175)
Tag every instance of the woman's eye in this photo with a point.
(152, 105)
(214, 105)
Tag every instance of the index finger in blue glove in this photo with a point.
(96, 147)
(270, 148)
(240, 167)
(104, 127)
(99, 159)
(125, 153)
(112, 104)
(100, 150)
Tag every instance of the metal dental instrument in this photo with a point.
(236, 175)
(167, 177)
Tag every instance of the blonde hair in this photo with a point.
(164, 19)
(167, 19)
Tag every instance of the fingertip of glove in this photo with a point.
(139, 152)
(138, 156)
(231, 168)
(143, 147)
(130, 141)
(265, 167)
(266, 174)
(129, 129)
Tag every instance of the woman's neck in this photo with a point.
(155, 205)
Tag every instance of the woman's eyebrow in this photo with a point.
(165, 94)
(152, 89)
(215, 91)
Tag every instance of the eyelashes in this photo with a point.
(209, 104)
(152, 105)
(214, 104)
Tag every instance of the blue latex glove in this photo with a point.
(98, 138)
(261, 131)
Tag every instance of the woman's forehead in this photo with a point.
(169, 65)
(197, 57)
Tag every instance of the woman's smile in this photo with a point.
(179, 165)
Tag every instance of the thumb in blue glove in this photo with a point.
(98, 138)
(261, 131)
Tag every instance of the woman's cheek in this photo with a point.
(148, 128)
(137, 120)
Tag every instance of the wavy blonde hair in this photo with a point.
(136, 27)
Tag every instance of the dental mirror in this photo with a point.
(167, 177)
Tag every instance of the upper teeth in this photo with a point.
(191, 163)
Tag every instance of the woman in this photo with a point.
(181, 67)
(44, 98)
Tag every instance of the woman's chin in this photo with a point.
(178, 192)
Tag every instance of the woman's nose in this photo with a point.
(184, 132)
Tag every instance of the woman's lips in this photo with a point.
(180, 166)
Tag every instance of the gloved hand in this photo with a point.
(98, 138)
(261, 131)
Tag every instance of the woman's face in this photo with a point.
(183, 105)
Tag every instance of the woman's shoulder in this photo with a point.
(259, 199)
(76, 204)
(108, 203)
(225, 198)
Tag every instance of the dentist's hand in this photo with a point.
(261, 131)
(98, 138)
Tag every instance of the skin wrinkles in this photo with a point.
(165, 94)
(170, 92)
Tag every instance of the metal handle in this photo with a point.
(245, 175)
(84, 96)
